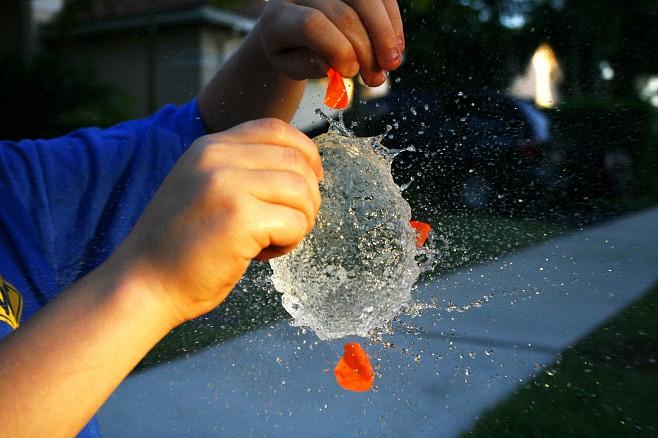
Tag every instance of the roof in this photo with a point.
(101, 10)
(103, 16)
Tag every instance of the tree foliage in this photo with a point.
(475, 43)
(49, 97)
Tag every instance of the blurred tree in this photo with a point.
(46, 95)
(623, 34)
(49, 97)
(483, 43)
(455, 45)
(17, 32)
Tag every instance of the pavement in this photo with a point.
(499, 324)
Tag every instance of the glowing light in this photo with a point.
(648, 87)
(607, 72)
(514, 21)
(546, 69)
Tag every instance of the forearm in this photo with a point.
(61, 365)
(248, 87)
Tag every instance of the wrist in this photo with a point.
(135, 287)
(249, 76)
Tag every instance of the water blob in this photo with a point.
(354, 272)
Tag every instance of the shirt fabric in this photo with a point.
(68, 202)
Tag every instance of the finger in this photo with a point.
(382, 35)
(277, 133)
(394, 14)
(300, 64)
(315, 32)
(268, 157)
(279, 226)
(274, 251)
(284, 188)
(347, 20)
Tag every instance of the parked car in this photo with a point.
(476, 150)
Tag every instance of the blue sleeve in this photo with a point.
(86, 190)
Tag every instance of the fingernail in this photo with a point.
(392, 56)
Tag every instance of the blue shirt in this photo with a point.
(67, 203)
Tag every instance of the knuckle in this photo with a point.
(297, 184)
(209, 157)
(345, 55)
(345, 17)
(299, 222)
(236, 206)
(311, 21)
(293, 158)
(275, 127)
(232, 207)
(217, 181)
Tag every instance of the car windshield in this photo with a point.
(524, 132)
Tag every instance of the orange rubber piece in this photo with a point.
(422, 231)
(354, 371)
(336, 97)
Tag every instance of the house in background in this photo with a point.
(17, 25)
(164, 51)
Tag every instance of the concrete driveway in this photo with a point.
(444, 369)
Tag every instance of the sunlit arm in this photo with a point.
(213, 214)
(297, 40)
(62, 364)
(249, 87)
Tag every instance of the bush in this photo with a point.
(627, 125)
(51, 97)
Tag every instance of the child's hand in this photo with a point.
(303, 38)
(249, 192)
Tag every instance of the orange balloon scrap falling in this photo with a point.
(354, 371)
(422, 231)
(336, 97)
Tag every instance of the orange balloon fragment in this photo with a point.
(336, 97)
(422, 231)
(354, 371)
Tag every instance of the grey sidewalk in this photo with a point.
(278, 381)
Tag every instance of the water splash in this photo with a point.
(335, 125)
(355, 271)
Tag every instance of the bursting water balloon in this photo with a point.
(355, 271)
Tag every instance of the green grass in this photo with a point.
(607, 385)
(465, 239)
(462, 240)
